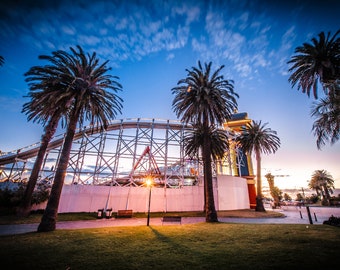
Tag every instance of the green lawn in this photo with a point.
(197, 246)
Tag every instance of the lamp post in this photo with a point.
(149, 184)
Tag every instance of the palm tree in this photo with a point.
(256, 138)
(316, 62)
(322, 182)
(194, 139)
(326, 127)
(206, 100)
(47, 106)
(92, 97)
(219, 144)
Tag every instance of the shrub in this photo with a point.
(335, 201)
(333, 221)
(12, 193)
(312, 199)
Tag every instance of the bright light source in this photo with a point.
(148, 182)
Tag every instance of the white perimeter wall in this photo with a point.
(230, 193)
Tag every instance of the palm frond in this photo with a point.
(326, 127)
(256, 137)
(316, 62)
(194, 140)
(204, 98)
(73, 81)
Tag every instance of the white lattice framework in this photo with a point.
(108, 157)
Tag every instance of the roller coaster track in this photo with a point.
(111, 156)
(32, 150)
(103, 157)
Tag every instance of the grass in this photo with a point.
(194, 246)
(190, 246)
(36, 218)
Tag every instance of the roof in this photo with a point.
(239, 116)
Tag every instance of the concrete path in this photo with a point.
(293, 215)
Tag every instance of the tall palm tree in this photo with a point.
(256, 138)
(326, 127)
(323, 183)
(92, 96)
(47, 106)
(205, 99)
(316, 62)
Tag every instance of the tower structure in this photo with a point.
(242, 162)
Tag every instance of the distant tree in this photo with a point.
(2, 61)
(256, 138)
(323, 183)
(275, 192)
(314, 198)
(316, 62)
(287, 197)
(205, 100)
(299, 197)
(93, 98)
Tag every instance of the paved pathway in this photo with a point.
(293, 215)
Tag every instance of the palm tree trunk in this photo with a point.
(210, 211)
(24, 208)
(327, 195)
(259, 200)
(49, 218)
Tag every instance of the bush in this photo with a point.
(41, 193)
(11, 193)
(333, 221)
(312, 199)
(335, 201)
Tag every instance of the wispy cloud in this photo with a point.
(285, 49)
(121, 31)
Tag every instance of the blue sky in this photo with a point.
(149, 44)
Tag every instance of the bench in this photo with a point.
(172, 219)
(124, 214)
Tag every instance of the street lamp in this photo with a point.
(149, 184)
